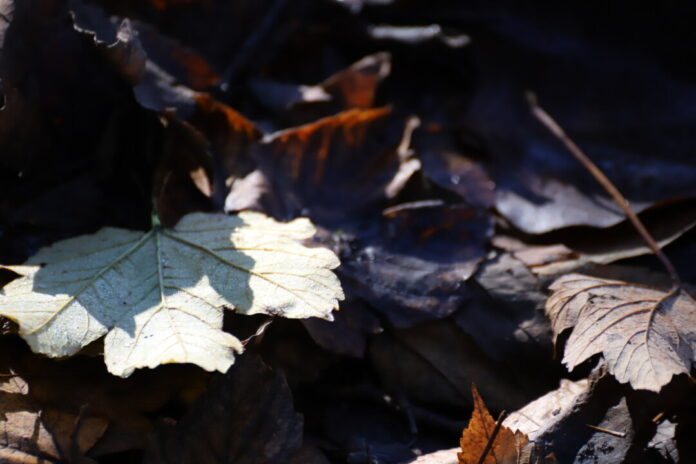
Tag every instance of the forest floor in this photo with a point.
(498, 302)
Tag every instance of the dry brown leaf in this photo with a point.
(645, 335)
(30, 434)
(506, 448)
(25, 438)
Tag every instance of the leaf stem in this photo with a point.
(491, 439)
(604, 181)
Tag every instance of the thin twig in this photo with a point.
(658, 417)
(250, 46)
(610, 432)
(491, 439)
(75, 451)
(604, 181)
(262, 328)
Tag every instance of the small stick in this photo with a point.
(604, 181)
(251, 44)
(75, 451)
(491, 439)
(610, 432)
(262, 328)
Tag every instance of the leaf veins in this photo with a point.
(645, 335)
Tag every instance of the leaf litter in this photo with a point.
(186, 99)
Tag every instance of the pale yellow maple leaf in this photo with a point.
(159, 296)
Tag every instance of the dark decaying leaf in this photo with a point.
(645, 335)
(75, 101)
(410, 219)
(414, 267)
(624, 110)
(224, 30)
(612, 440)
(79, 398)
(309, 165)
(245, 417)
(446, 163)
(230, 136)
(339, 171)
(160, 71)
(433, 362)
(183, 178)
(347, 333)
(187, 66)
(126, 53)
(582, 246)
(506, 318)
(68, 115)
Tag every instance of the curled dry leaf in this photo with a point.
(158, 295)
(645, 335)
(506, 447)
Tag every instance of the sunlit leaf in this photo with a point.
(158, 296)
(645, 335)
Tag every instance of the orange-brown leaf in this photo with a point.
(506, 448)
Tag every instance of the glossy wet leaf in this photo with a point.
(645, 335)
(158, 296)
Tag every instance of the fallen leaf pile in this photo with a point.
(189, 190)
